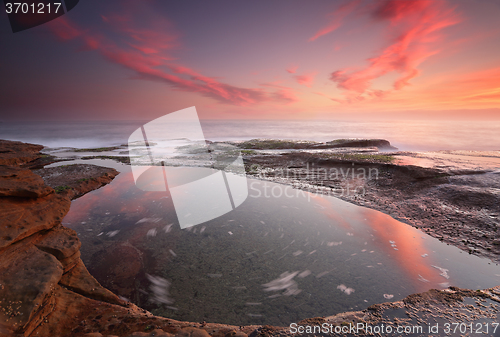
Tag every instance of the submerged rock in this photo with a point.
(379, 143)
(73, 181)
(279, 144)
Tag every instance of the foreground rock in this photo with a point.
(38, 257)
(19, 182)
(18, 153)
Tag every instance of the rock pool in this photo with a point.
(282, 256)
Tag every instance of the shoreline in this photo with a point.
(123, 319)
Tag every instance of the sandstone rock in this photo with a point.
(27, 277)
(18, 182)
(24, 217)
(159, 333)
(17, 153)
(192, 332)
(240, 334)
(234, 333)
(139, 334)
(79, 280)
(155, 333)
(61, 242)
(74, 315)
(71, 262)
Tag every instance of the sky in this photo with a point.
(280, 59)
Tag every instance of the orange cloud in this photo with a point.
(416, 25)
(479, 89)
(453, 95)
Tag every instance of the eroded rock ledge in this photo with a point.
(73, 181)
(46, 290)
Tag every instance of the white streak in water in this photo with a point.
(112, 233)
(444, 272)
(284, 282)
(151, 232)
(168, 228)
(345, 289)
(160, 289)
(422, 279)
(322, 274)
(153, 220)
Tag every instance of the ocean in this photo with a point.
(405, 135)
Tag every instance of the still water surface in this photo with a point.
(273, 260)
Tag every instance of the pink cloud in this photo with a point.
(292, 69)
(65, 30)
(147, 50)
(352, 98)
(306, 79)
(284, 94)
(336, 19)
(416, 25)
(326, 96)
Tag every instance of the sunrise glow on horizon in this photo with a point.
(400, 59)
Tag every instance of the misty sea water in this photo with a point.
(405, 135)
